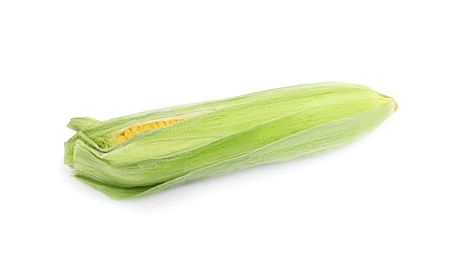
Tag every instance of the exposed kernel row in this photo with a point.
(130, 132)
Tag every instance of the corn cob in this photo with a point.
(145, 153)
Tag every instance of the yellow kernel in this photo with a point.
(147, 127)
(167, 122)
(135, 129)
(140, 128)
(128, 133)
(122, 138)
(154, 125)
(160, 124)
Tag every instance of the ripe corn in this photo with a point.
(148, 152)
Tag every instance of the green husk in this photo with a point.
(221, 136)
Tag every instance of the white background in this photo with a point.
(391, 195)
